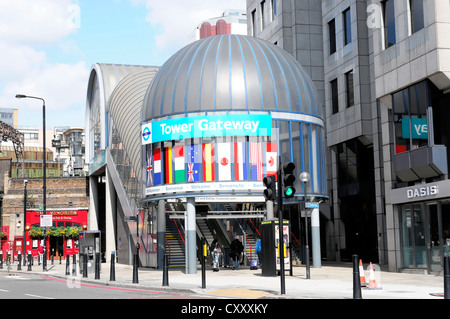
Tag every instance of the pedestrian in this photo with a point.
(258, 251)
(236, 249)
(41, 253)
(215, 251)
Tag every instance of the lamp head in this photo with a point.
(304, 177)
(20, 96)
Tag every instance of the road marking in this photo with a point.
(3, 290)
(37, 296)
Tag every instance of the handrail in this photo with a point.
(248, 242)
(167, 243)
(296, 239)
(179, 232)
(254, 226)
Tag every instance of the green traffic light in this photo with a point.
(289, 191)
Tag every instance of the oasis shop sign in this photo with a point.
(422, 191)
(207, 126)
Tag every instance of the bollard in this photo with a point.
(74, 269)
(204, 253)
(1, 259)
(30, 257)
(85, 263)
(19, 261)
(135, 269)
(67, 265)
(112, 271)
(97, 265)
(356, 279)
(165, 270)
(446, 277)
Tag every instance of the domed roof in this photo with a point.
(230, 72)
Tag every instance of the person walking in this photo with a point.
(258, 251)
(236, 249)
(216, 253)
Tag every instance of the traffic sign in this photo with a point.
(312, 205)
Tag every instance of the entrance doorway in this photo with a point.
(425, 235)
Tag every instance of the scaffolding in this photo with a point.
(8, 133)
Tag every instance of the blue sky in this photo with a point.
(49, 46)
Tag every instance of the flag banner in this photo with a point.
(169, 166)
(208, 162)
(224, 161)
(256, 161)
(271, 159)
(149, 167)
(193, 163)
(240, 161)
(157, 173)
(180, 170)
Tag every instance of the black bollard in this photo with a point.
(97, 265)
(204, 252)
(356, 279)
(135, 269)
(67, 265)
(112, 271)
(29, 261)
(1, 259)
(85, 263)
(74, 269)
(19, 261)
(446, 277)
(165, 270)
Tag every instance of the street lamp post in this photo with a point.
(44, 177)
(25, 182)
(304, 178)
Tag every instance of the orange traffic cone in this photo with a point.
(362, 277)
(372, 281)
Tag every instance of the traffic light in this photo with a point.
(288, 180)
(270, 191)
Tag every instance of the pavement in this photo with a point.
(330, 281)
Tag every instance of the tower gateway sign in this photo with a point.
(207, 126)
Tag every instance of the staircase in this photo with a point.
(175, 246)
(205, 231)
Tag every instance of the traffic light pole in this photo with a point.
(280, 228)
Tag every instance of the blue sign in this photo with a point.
(208, 126)
(418, 129)
(312, 205)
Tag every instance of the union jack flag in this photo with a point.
(149, 168)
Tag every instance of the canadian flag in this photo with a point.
(271, 159)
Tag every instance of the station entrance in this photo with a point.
(222, 222)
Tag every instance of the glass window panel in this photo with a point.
(417, 15)
(350, 89)
(347, 26)
(334, 96)
(332, 31)
(389, 23)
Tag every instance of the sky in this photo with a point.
(47, 47)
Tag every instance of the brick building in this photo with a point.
(66, 197)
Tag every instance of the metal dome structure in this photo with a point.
(225, 80)
(230, 73)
